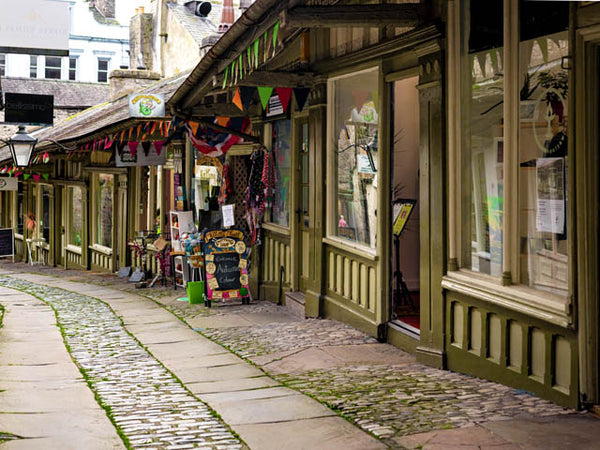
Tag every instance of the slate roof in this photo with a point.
(95, 120)
(67, 94)
(197, 27)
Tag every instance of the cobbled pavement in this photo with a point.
(147, 403)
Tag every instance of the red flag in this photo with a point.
(284, 96)
(158, 145)
(133, 147)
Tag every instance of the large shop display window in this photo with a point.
(104, 208)
(282, 141)
(541, 150)
(45, 222)
(355, 119)
(75, 216)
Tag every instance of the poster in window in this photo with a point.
(550, 186)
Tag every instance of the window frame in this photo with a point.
(73, 70)
(52, 68)
(3, 64)
(506, 291)
(99, 71)
(33, 66)
(331, 212)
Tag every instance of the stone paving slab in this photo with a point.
(236, 371)
(324, 433)
(252, 394)
(209, 387)
(268, 410)
(198, 350)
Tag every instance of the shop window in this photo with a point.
(543, 158)
(354, 118)
(103, 190)
(76, 216)
(484, 89)
(45, 222)
(538, 246)
(20, 213)
(53, 67)
(280, 207)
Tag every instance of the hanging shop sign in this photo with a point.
(8, 184)
(226, 264)
(145, 154)
(146, 105)
(29, 109)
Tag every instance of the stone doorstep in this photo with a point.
(294, 303)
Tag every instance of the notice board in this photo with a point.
(7, 242)
(226, 264)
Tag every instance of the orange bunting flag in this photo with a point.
(223, 121)
(194, 126)
(237, 99)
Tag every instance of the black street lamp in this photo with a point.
(21, 147)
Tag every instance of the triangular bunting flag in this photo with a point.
(17, 173)
(108, 143)
(241, 66)
(275, 31)
(301, 95)
(26, 176)
(46, 158)
(237, 99)
(225, 76)
(36, 177)
(223, 121)
(158, 145)
(284, 97)
(194, 127)
(146, 146)
(256, 45)
(120, 147)
(133, 147)
(46, 176)
(264, 92)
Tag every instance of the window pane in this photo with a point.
(72, 69)
(483, 117)
(102, 70)
(2, 65)
(356, 120)
(33, 66)
(104, 209)
(543, 111)
(280, 208)
(20, 212)
(52, 67)
(76, 219)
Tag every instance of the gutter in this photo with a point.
(195, 84)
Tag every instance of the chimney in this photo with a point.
(140, 40)
(227, 16)
(245, 4)
(105, 7)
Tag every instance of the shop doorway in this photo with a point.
(405, 235)
(302, 205)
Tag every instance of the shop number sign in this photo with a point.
(226, 264)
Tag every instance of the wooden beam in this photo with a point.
(376, 15)
(223, 109)
(278, 79)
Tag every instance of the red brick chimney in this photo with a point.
(227, 16)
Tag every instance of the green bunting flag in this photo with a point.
(46, 176)
(256, 45)
(225, 76)
(275, 31)
(264, 92)
(26, 176)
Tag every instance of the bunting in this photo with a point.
(301, 95)
(237, 99)
(264, 92)
(275, 31)
(285, 94)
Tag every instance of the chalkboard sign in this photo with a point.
(7, 242)
(226, 264)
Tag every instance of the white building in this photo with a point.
(98, 43)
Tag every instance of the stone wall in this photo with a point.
(105, 7)
(141, 30)
(127, 81)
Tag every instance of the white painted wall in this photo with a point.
(89, 40)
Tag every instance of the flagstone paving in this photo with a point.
(147, 403)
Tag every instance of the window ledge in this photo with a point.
(73, 249)
(350, 246)
(270, 226)
(101, 249)
(542, 305)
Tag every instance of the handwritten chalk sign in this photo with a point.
(7, 242)
(226, 264)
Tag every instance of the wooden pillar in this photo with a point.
(121, 232)
(317, 152)
(432, 205)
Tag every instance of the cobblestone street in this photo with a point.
(374, 386)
